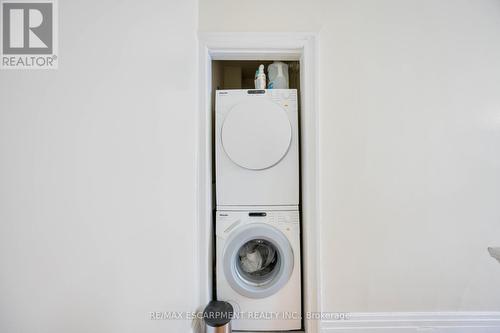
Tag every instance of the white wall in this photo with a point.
(410, 142)
(97, 173)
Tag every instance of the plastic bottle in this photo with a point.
(260, 78)
(278, 75)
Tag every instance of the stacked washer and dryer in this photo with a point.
(257, 219)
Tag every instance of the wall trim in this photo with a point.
(262, 46)
(410, 322)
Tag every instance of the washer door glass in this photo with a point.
(256, 134)
(258, 260)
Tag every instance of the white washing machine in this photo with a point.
(258, 268)
(257, 154)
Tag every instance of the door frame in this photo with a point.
(262, 46)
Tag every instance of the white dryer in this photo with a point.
(258, 268)
(257, 154)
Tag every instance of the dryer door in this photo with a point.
(256, 134)
(258, 260)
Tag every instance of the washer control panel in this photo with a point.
(243, 217)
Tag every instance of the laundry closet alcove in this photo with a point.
(245, 51)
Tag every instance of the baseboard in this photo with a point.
(413, 322)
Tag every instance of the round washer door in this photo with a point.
(256, 134)
(257, 260)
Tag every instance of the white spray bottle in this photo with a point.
(260, 78)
